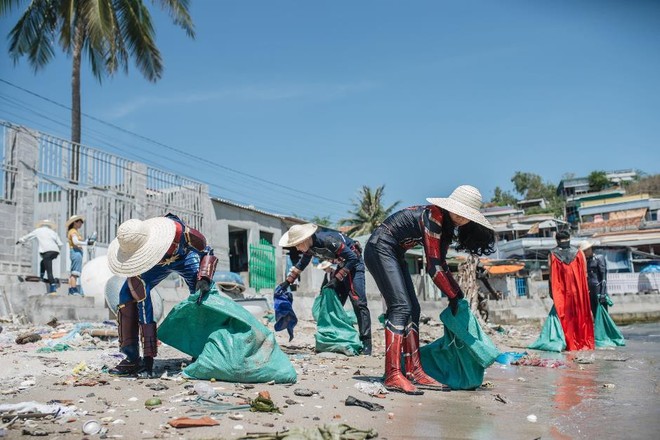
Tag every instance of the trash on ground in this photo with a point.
(27, 338)
(263, 404)
(535, 361)
(608, 385)
(153, 402)
(188, 422)
(499, 398)
(371, 406)
(375, 389)
(531, 418)
(304, 392)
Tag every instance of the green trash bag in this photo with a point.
(350, 314)
(460, 357)
(229, 343)
(334, 331)
(552, 335)
(606, 332)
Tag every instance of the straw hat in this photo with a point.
(51, 224)
(72, 219)
(140, 245)
(466, 202)
(297, 234)
(584, 245)
(323, 265)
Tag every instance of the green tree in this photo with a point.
(321, 221)
(531, 186)
(503, 198)
(598, 180)
(368, 212)
(108, 32)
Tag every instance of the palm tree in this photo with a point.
(368, 212)
(109, 32)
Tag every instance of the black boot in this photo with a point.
(366, 347)
(131, 365)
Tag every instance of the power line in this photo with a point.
(187, 154)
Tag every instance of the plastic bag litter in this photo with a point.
(334, 331)
(606, 333)
(285, 317)
(552, 335)
(461, 356)
(35, 407)
(229, 343)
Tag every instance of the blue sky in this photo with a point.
(421, 96)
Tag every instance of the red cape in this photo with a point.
(570, 293)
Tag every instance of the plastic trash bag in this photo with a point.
(606, 332)
(460, 357)
(230, 344)
(334, 330)
(285, 317)
(552, 335)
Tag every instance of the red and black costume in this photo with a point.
(384, 257)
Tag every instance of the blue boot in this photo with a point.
(52, 288)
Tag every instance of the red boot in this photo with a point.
(394, 379)
(414, 371)
(149, 346)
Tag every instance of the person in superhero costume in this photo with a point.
(147, 252)
(570, 293)
(434, 227)
(596, 277)
(347, 254)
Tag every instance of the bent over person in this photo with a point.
(147, 252)
(432, 226)
(346, 253)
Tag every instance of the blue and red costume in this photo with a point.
(191, 258)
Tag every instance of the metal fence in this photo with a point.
(108, 189)
(262, 266)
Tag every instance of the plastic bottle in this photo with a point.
(204, 390)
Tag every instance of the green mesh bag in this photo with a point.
(460, 357)
(606, 332)
(334, 329)
(229, 343)
(552, 335)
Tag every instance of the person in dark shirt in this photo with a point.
(596, 276)
(347, 254)
(434, 227)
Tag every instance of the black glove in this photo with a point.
(18, 242)
(332, 284)
(203, 287)
(91, 242)
(283, 286)
(602, 299)
(453, 305)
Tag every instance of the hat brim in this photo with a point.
(161, 235)
(74, 219)
(461, 209)
(48, 223)
(286, 241)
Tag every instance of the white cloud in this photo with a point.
(314, 92)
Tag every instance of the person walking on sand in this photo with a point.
(434, 227)
(76, 243)
(147, 252)
(336, 247)
(570, 293)
(49, 248)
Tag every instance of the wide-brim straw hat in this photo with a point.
(466, 202)
(323, 265)
(140, 245)
(297, 234)
(73, 219)
(585, 244)
(51, 224)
